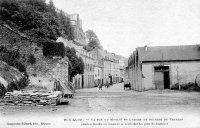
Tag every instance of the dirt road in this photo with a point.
(117, 102)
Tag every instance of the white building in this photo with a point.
(111, 68)
(163, 67)
(85, 80)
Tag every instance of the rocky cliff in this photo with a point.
(44, 70)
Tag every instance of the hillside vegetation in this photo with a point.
(41, 23)
(36, 19)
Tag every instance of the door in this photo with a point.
(159, 80)
(166, 80)
(110, 81)
(82, 81)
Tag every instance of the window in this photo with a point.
(90, 67)
(92, 78)
(161, 68)
(88, 78)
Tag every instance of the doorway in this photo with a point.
(82, 81)
(166, 80)
(110, 77)
(161, 77)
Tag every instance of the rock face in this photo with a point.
(8, 74)
(45, 70)
(32, 98)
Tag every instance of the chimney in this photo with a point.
(145, 47)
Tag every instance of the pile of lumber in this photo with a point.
(32, 98)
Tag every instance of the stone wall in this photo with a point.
(187, 72)
(44, 72)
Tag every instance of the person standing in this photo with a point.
(100, 86)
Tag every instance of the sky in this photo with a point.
(123, 25)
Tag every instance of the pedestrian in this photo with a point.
(107, 84)
(100, 86)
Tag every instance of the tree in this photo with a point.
(76, 65)
(36, 19)
(51, 48)
(93, 40)
(80, 65)
(51, 6)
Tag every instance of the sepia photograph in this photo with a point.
(99, 64)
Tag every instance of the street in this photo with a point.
(115, 100)
(115, 104)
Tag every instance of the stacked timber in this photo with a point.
(32, 98)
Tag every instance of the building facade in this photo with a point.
(122, 68)
(86, 79)
(98, 66)
(163, 67)
(111, 70)
(88, 59)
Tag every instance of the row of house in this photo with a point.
(100, 66)
(163, 67)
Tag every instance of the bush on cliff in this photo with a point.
(32, 59)
(11, 57)
(2, 90)
(54, 49)
(17, 85)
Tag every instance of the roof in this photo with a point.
(169, 53)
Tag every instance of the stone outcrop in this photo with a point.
(8, 74)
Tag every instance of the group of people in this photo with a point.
(107, 85)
